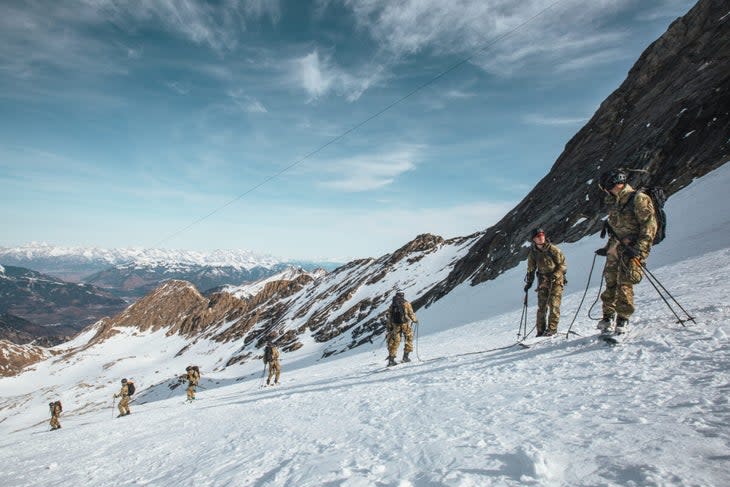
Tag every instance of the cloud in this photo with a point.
(369, 172)
(318, 75)
(464, 27)
(539, 119)
(246, 102)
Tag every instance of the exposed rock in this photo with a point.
(670, 117)
(14, 357)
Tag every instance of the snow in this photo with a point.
(474, 412)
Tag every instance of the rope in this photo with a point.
(590, 274)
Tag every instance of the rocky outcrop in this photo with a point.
(19, 331)
(14, 357)
(670, 118)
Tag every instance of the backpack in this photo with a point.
(130, 388)
(267, 354)
(60, 408)
(397, 312)
(658, 198)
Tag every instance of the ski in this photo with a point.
(531, 342)
(612, 339)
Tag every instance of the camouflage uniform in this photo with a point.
(55, 413)
(193, 378)
(274, 366)
(635, 224)
(396, 329)
(124, 401)
(549, 263)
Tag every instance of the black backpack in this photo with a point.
(658, 198)
(397, 311)
(267, 354)
(130, 388)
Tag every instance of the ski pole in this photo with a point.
(417, 355)
(654, 281)
(114, 401)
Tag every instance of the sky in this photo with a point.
(219, 125)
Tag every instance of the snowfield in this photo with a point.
(475, 410)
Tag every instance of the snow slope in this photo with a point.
(476, 411)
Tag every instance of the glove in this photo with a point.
(528, 286)
(631, 252)
(603, 251)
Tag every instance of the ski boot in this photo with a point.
(391, 361)
(622, 326)
(606, 325)
(405, 357)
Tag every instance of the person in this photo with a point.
(193, 376)
(400, 316)
(124, 402)
(548, 261)
(56, 409)
(631, 225)
(271, 358)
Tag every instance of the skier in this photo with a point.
(400, 316)
(193, 376)
(124, 402)
(632, 225)
(56, 409)
(549, 262)
(271, 357)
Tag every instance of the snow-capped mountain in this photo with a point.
(76, 263)
(250, 290)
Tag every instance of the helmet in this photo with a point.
(537, 231)
(611, 178)
(124, 381)
(400, 293)
(188, 367)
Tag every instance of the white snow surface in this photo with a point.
(475, 410)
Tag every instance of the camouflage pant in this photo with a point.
(54, 422)
(394, 334)
(274, 370)
(191, 390)
(548, 303)
(124, 405)
(621, 274)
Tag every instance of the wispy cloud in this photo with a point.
(539, 119)
(319, 75)
(462, 27)
(246, 102)
(369, 172)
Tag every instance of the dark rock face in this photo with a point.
(63, 307)
(670, 117)
(19, 331)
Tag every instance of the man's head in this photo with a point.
(124, 381)
(613, 181)
(400, 294)
(538, 236)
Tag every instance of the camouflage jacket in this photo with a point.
(123, 392)
(632, 221)
(55, 410)
(548, 262)
(274, 354)
(410, 314)
(193, 377)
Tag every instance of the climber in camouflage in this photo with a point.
(193, 377)
(632, 225)
(124, 401)
(548, 262)
(400, 317)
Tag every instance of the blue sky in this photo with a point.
(125, 122)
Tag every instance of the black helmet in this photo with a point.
(400, 293)
(188, 367)
(124, 381)
(51, 404)
(611, 178)
(537, 231)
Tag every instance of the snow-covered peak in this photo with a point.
(243, 259)
(288, 274)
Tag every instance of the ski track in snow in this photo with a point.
(652, 411)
